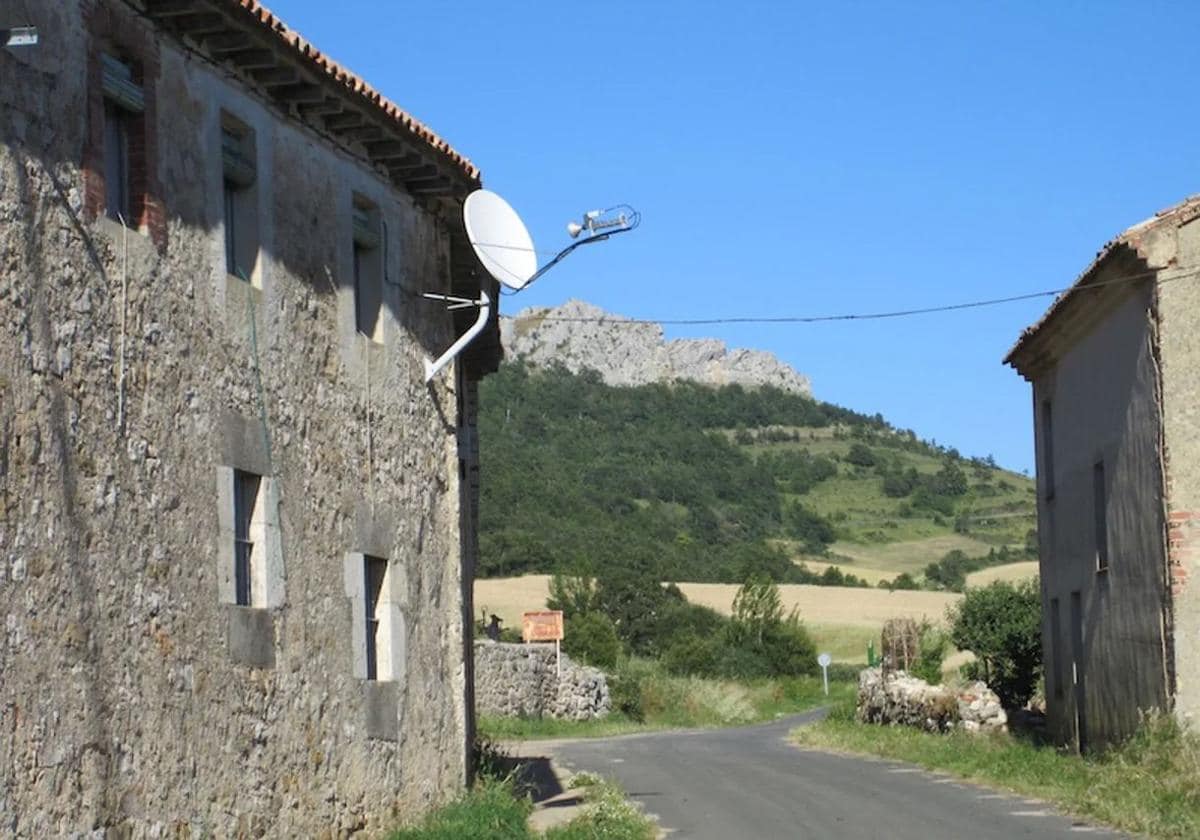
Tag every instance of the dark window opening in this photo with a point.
(231, 223)
(374, 569)
(1100, 508)
(245, 499)
(117, 191)
(1047, 450)
(239, 197)
(368, 270)
(1056, 649)
(124, 152)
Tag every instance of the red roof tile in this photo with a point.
(327, 66)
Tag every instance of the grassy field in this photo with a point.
(817, 605)
(841, 620)
(1150, 786)
(999, 505)
(1011, 572)
(910, 556)
(835, 605)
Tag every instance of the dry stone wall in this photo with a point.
(515, 680)
(897, 698)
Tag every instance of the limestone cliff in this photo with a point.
(580, 335)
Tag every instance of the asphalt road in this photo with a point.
(750, 783)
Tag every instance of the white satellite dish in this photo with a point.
(504, 247)
(500, 239)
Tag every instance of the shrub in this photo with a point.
(574, 595)
(759, 642)
(789, 650)
(591, 638)
(809, 527)
(899, 484)
(625, 689)
(1002, 625)
(930, 655)
(697, 655)
(635, 602)
(860, 455)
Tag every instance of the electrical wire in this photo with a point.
(863, 316)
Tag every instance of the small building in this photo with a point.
(1115, 369)
(237, 527)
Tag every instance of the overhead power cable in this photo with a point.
(864, 316)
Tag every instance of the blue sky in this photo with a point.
(812, 159)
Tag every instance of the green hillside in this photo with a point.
(702, 484)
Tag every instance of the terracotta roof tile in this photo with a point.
(1131, 237)
(354, 83)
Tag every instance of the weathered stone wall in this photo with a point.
(129, 375)
(897, 698)
(515, 680)
(1179, 334)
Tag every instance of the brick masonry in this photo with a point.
(1183, 540)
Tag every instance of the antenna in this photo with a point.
(504, 247)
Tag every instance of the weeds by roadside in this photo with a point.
(493, 810)
(1150, 785)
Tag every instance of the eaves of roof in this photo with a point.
(1131, 238)
(248, 36)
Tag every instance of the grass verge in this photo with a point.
(493, 810)
(1150, 785)
(653, 699)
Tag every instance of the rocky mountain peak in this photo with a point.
(580, 335)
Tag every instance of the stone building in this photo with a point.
(237, 528)
(1115, 369)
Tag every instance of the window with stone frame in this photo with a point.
(377, 590)
(376, 611)
(249, 538)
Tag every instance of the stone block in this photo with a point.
(251, 636)
(381, 709)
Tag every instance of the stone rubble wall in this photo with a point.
(517, 680)
(898, 698)
(123, 709)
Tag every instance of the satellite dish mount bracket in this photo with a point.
(453, 303)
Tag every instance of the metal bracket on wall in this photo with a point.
(19, 36)
(433, 366)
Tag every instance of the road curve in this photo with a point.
(749, 782)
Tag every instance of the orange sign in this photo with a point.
(544, 626)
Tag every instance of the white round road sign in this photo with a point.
(824, 659)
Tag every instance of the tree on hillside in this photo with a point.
(860, 455)
(808, 526)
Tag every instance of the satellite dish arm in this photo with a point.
(566, 251)
(433, 367)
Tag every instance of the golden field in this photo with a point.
(841, 619)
